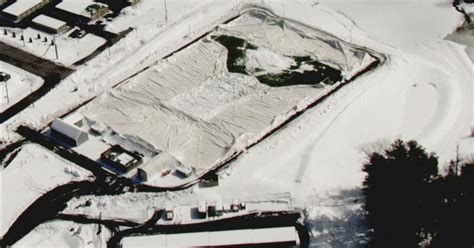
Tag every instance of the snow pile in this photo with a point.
(33, 172)
(290, 38)
(263, 59)
(200, 113)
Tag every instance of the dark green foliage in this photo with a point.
(237, 47)
(236, 52)
(322, 73)
(395, 190)
(407, 202)
(455, 216)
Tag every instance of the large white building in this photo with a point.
(267, 237)
(69, 133)
(21, 9)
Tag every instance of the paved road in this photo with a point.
(51, 73)
(31, 63)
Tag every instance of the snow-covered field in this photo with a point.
(33, 172)
(193, 108)
(20, 85)
(70, 50)
(418, 93)
(424, 91)
(65, 234)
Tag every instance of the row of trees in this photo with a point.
(409, 204)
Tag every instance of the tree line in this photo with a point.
(409, 203)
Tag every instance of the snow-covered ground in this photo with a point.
(33, 172)
(69, 49)
(140, 48)
(424, 91)
(120, 207)
(21, 84)
(65, 234)
(199, 112)
(149, 15)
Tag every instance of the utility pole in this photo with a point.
(166, 13)
(23, 38)
(283, 7)
(55, 47)
(6, 90)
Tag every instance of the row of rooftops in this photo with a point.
(20, 9)
(79, 134)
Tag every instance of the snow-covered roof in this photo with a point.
(74, 6)
(219, 238)
(49, 22)
(21, 6)
(78, 6)
(73, 118)
(69, 130)
(124, 158)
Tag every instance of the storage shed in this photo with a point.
(50, 24)
(68, 133)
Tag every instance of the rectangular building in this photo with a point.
(50, 24)
(22, 9)
(68, 133)
(263, 237)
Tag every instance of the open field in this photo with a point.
(33, 172)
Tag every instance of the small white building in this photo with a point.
(22, 9)
(50, 24)
(69, 133)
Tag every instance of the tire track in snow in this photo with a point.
(307, 153)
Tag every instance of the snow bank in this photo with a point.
(33, 172)
(266, 60)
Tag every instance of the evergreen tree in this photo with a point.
(398, 194)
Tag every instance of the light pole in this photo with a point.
(166, 13)
(55, 47)
(6, 89)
